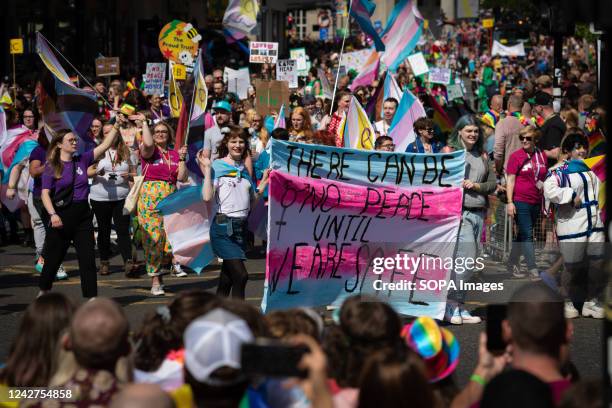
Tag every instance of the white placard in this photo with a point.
(238, 81)
(263, 52)
(286, 70)
(155, 77)
(454, 91)
(418, 64)
(299, 54)
(439, 75)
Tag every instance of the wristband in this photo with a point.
(52, 214)
(478, 379)
(13, 188)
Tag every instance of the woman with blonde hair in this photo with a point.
(161, 168)
(301, 126)
(570, 116)
(257, 131)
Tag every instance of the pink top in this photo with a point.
(529, 169)
(161, 166)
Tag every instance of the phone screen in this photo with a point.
(272, 358)
(495, 341)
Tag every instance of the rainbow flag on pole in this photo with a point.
(402, 33)
(597, 165)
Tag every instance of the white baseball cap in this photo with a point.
(213, 341)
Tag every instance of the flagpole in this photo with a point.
(77, 71)
(195, 89)
(348, 26)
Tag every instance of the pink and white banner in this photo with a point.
(326, 237)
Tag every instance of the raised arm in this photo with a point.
(147, 147)
(206, 167)
(106, 143)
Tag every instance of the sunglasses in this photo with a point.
(525, 138)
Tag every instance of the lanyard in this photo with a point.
(536, 172)
(113, 158)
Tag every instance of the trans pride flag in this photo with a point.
(187, 223)
(402, 33)
(64, 106)
(402, 127)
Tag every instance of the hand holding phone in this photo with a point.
(496, 314)
(272, 358)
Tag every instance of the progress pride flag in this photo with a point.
(324, 235)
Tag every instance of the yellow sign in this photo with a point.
(178, 42)
(179, 72)
(426, 24)
(16, 46)
(488, 23)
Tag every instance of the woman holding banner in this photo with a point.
(479, 182)
(234, 196)
(161, 168)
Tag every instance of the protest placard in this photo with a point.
(107, 66)
(325, 237)
(286, 70)
(356, 60)
(454, 91)
(154, 78)
(238, 81)
(16, 45)
(179, 72)
(270, 96)
(178, 42)
(299, 54)
(439, 75)
(263, 52)
(418, 64)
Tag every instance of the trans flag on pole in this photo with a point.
(362, 10)
(402, 126)
(187, 224)
(402, 33)
(64, 106)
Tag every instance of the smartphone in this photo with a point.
(271, 358)
(495, 315)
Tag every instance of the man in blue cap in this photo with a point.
(212, 136)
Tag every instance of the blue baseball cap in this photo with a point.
(222, 105)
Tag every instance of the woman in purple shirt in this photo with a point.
(65, 192)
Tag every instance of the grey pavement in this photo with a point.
(19, 280)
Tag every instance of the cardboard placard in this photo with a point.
(179, 72)
(299, 54)
(238, 81)
(107, 66)
(286, 70)
(154, 78)
(16, 45)
(454, 91)
(270, 96)
(418, 64)
(263, 52)
(439, 75)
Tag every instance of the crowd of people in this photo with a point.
(188, 354)
(522, 147)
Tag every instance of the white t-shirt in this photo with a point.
(233, 196)
(382, 128)
(110, 186)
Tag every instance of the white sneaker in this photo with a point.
(516, 272)
(534, 274)
(177, 271)
(593, 309)
(61, 273)
(453, 314)
(570, 311)
(467, 317)
(157, 290)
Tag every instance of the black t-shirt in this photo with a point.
(552, 134)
